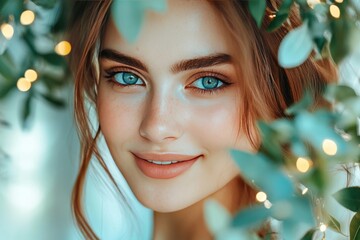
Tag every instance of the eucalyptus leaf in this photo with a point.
(304, 104)
(355, 227)
(309, 234)
(257, 9)
(339, 92)
(129, 16)
(259, 170)
(277, 22)
(56, 102)
(281, 15)
(253, 216)
(45, 3)
(349, 198)
(5, 89)
(296, 47)
(26, 111)
(217, 218)
(334, 224)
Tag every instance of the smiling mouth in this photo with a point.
(165, 166)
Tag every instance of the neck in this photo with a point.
(189, 223)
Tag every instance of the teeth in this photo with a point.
(162, 162)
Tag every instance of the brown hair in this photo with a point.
(264, 83)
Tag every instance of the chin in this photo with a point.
(166, 204)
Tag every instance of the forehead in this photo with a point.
(185, 30)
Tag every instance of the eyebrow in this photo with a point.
(184, 65)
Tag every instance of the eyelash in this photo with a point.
(110, 74)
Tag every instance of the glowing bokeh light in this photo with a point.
(329, 147)
(322, 227)
(27, 17)
(23, 85)
(335, 11)
(63, 48)
(303, 164)
(31, 75)
(7, 30)
(261, 197)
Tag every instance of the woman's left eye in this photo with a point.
(208, 83)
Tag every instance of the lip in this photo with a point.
(153, 170)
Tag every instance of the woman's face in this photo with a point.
(168, 105)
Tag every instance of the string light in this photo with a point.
(272, 15)
(23, 85)
(63, 48)
(304, 191)
(7, 30)
(261, 197)
(267, 204)
(322, 227)
(329, 147)
(339, 1)
(31, 75)
(27, 17)
(303, 164)
(335, 11)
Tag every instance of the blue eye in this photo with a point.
(208, 83)
(127, 78)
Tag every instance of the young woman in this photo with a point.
(173, 102)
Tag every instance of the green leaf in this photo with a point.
(340, 46)
(45, 3)
(129, 15)
(349, 198)
(7, 67)
(277, 22)
(259, 170)
(296, 47)
(26, 111)
(56, 102)
(6, 89)
(334, 224)
(251, 217)
(355, 227)
(217, 218)
(309, 234)
(304, 104)
(257, 9)
(339, 92)
(281, 15)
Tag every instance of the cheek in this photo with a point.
(217, 125)
(118, 116)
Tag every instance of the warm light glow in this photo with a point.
(63, 48)
(31, 75)
(312, 3)
(7, 30)
(272, 15)
(335, 11)
(339, 1)
(303, 164)
(261, 197)
(27, 17)
(267, 204)
(23, 84)
(329, 147)
(322, 227)
(304, 191)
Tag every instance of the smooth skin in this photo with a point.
(174, 90)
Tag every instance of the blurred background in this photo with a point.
(39, 148)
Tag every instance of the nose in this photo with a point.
(161, 119)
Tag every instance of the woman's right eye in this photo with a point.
(127, 78)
